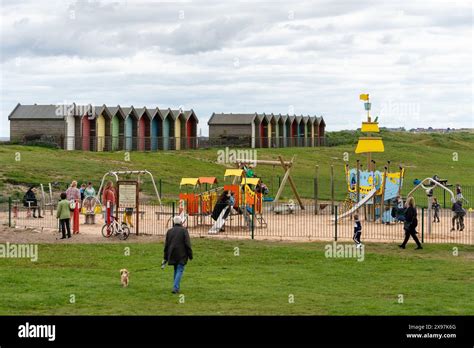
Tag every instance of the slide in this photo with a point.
(219, 223)
(367, 197)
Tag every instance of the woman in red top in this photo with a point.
(108, 196)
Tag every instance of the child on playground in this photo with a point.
(435, 206)
(357, 231)
(458, 217)
(459, 196)
(127, 216)
(81, 190)
(63, 214)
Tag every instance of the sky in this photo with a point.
(414, 58)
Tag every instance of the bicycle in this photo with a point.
(115, 228)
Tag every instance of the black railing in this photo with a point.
(131, 143)
(275, 221)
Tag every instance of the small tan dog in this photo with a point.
(124, 277)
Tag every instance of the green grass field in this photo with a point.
(258, 282)
(423, 155)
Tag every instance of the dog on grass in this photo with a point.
(124, 277)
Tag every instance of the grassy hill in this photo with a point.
(422, 155)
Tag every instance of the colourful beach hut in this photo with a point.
(168, 129)
(103, 128)
(144, 129)
(88, 128)
(191, 129)
(117, 127)
(156, 131)
(131, 128)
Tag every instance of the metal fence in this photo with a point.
(159, 143)
(277, 221)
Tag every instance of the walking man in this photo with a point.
(410, 224)
(177, 250)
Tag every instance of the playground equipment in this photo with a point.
(286, 166)
(428, 185)
(47, 202)
(130, 197)
(197, 202)
(371, 187)
(117, 174)
(248, 200)
(91, 207)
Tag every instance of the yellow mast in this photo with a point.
(369, 144)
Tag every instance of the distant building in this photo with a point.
(103, 128)
(267, 130)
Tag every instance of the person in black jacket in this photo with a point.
(222, 202)
(411, 221)
(30, 201)
(177, 251)
(459, 214)
(357, 231)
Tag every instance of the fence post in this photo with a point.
(173, 209)
(316, 193)
(335, 223)
(9, 212)
(332, 189)
(422, 225)
(161, 194)
(252, 222)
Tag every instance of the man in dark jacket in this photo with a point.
(177, 250)
(410, 224)
(459, 214)
(30, 202)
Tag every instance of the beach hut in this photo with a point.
(131, 128)
(179, 128)
(144, 129)
(117, 131)
(88, 128)
(168, 129)
(156, 131)
(191, 129)
(103, 128)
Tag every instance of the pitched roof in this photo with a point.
(231, 118)
(113, 110)
(127, 110)
(190, 113)
(58, 112)
(155, 113)
(165, 112)
(176, 113)
(142, 111)
(37, 112)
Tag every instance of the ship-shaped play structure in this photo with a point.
(370, 188)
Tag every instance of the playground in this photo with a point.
(237, 201)
(257, 241)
